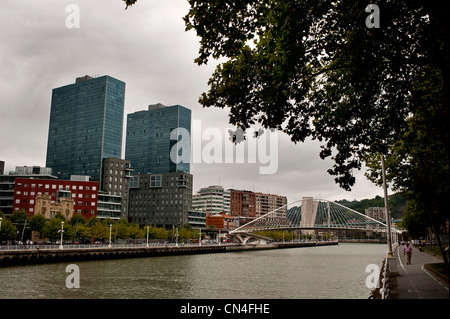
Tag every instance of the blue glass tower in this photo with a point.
(86, 125)
(149, 143)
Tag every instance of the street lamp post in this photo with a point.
(386, 204)
(176, 238)
(110, 228)
(62, 231)
(147, 236)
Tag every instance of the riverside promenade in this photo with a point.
(417, 281)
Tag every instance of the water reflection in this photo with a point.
(310, 272)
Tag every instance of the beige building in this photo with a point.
(48, 208)
(378, 213)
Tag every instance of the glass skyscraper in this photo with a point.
(149, 143)
(86, 125)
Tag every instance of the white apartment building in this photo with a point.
(213, 199)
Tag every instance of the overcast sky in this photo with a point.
(147, 47)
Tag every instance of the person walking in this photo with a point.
(408, 252)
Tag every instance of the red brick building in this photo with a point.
(250, 204)
(84, 194)
(242, 203)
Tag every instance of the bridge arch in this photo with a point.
(309, 214)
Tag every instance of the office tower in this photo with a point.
(149, 143)
(86, 124)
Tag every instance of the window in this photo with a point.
(155, 181)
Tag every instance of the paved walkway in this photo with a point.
(416, 282)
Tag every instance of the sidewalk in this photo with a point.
(414, 281)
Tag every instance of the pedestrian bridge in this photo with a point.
(309, 214)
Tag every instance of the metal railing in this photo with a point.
(385, 274)
(384, 279)
(103, 246)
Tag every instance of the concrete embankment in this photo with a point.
(40, 256)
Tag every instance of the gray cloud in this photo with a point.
(147, 47)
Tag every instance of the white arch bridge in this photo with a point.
(309, 214)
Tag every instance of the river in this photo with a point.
(328, 272)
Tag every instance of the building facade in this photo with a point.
(149, 143)
(213, 199)
(84, 195)
(242, 203)
(116, 174)
(378, 213)
(7, 183)
(86, 125)
(161, 200)
(197, 219)
(109, 206)
(48, 208)
(266, 203)
(250, 204)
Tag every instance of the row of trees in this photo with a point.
(19, 228)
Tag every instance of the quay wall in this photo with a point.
(40, 256)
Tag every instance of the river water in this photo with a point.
(328, 272)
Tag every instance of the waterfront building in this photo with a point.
(7, 183)
(83, 193)
(212, 199)
(266, 203)
(149, 143)
(242, 203)
(378, 213)
(250, 204)
(161, 200)
(116, 174)
(86, 125)
(109, 206)
(49, 208)
(222, 222)
(197, 219)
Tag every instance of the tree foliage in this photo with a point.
(314, 69)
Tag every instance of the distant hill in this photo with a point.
(397, 204)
